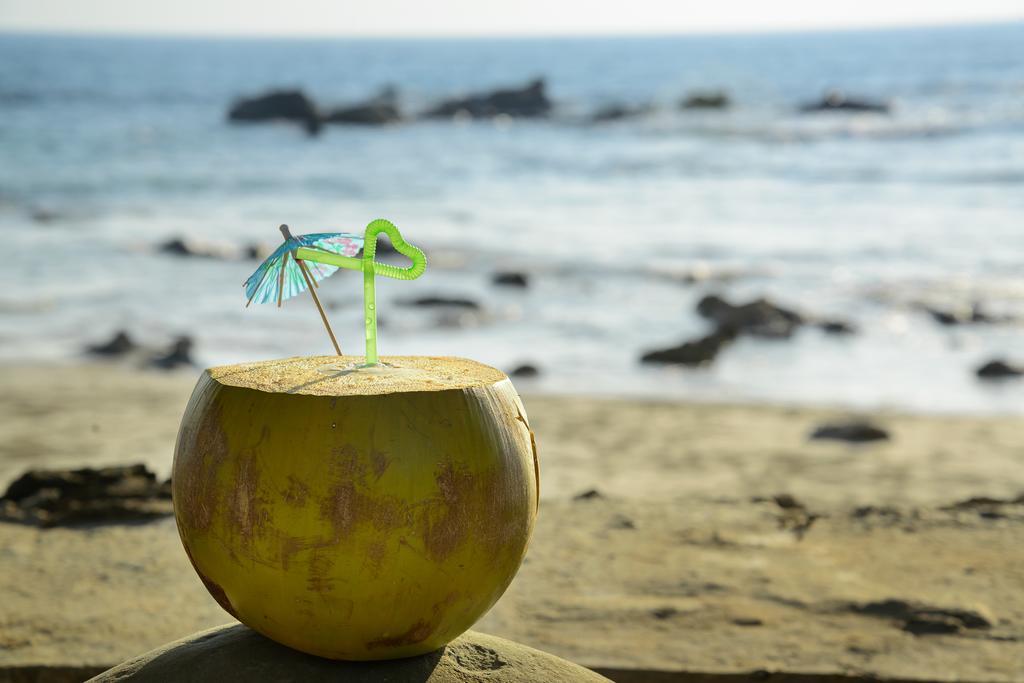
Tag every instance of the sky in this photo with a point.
(485, 17)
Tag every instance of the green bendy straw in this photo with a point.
(316, 256)
(370, 270)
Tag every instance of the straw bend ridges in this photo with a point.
(415, 254)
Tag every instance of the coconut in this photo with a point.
(356, 513)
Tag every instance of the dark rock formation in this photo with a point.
(441, 302)
(711, 99)
(530, 101)
(377, 111)
(836, 327)
(59, 497)
(856, 431)
(525, 370)
(179, 354)
(837, 100)
(589, 494)
(280, 105)
(693, 353)
(232, 653)
(794, 515)
(619, 112)
(999, 369)
(921, 619)
(178, 246)
(118, 345)
(511, 279)
(760, 318)
(964, 316)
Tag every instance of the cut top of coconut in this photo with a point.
(348, 376)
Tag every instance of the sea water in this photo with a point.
(112, 145)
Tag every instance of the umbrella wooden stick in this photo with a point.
(311, 284)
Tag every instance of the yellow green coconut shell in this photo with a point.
(356, 513)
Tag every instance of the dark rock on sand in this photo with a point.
(589, 494)
(118, 345)
(59, 497)
(711, 99)
(692, 353)
(511, 279)
(921, 619)
(233, 653)
(837, 100)
(441, 302)
(280, 105)
(999, 369)
(759, 318)
(377, 111)
(530, 101)
(179, 354)
(856, 431)
(986, 507)
(619, 112)
(525, 370)
(793, 515)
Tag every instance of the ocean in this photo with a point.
(110, 146)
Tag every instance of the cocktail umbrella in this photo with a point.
(281, 276)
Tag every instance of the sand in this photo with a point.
(682, 562)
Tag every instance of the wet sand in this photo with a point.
(687, 558)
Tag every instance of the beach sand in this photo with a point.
(684, 559)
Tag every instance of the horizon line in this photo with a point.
(709, 32)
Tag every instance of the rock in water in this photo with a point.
(178, 355)
(712, 99)
(525, 370)
(697, 352)
(999, 369)
(853, 432)
(759, 318)
(440, 302)
(837, 100)
(60, 497)
(836, 327)
(530, 101)
(511, 279)
(177, 246)
(619, 112)
(118, 345)
(377, 111)
(281, 105)
(235, 653)
(307, 494)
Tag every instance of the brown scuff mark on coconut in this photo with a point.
(419, 631)
(290, 545)
(296, 494)
(212, 587)
(345, 505)
(196, 481)
(376, 551)
(416, 633)
(468, 506)
(444, 532)
(380, 462)
(320, 565)
(249, 515)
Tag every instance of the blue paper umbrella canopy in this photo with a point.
(280, 277)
